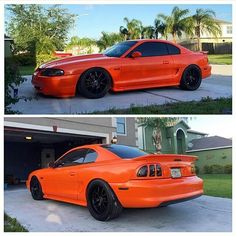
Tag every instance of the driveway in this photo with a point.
(218, 85)
(208, 214)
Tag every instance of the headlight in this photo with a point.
(52, 72)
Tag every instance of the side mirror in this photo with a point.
(136, 54)
(51, 164)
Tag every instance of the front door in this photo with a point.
(47, 155)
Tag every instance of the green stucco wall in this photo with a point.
(220, 156)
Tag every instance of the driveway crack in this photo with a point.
(177, 100)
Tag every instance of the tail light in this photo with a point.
(150, 170)
(143, 171)
(193, 168)
(159, 172)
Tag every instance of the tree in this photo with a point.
(147, 32)
(81, 43)
(159, 27)
(158, 123)
(176, 23)
(203, 21)
(132, 30)
(37, 29)
(108, 39)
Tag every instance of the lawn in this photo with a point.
(205, 106)
(224, 59)
(12, 225)
(217, 185)
(26, 70)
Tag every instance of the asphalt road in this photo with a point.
(218, 85)
(204, 214)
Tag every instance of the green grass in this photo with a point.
(224, 59)
(12, 225)
(26, 70)
(205, 106)
(217, 185)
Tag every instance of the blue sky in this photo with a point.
(220, 125)
(95, 18)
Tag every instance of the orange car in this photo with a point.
(129, 65)
(106, 178)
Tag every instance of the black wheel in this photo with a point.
(36, 189)
(94, 83)
(102, 203)
(191, 78)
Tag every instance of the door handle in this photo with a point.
(72, 173)
(165, 62)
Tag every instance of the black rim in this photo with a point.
(192, 78)
(99, 199)
(96, 82)
(35, 188)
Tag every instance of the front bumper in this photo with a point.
(206, 71)
(58, 86)
(153, 193)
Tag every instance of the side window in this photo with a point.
(72, 158)
(172, 49)
(151, 49)
(91, 156)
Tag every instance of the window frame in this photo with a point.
(125, 126)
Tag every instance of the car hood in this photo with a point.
(74, 59)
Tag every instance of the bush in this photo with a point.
(207, 169)
(217, 169)
(43, 58)
(228, 169)
(12, 80)
(25, 59)
(197, 169)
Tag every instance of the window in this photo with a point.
(229, 29)
(172, 49)
(151, 49)
(119, 49)
(124, 152)
(77, 157)
(121, 127)
(91, 156)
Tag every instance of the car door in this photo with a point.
(63, 180)
(154, 67)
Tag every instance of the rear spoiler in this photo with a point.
(204, 52)
(167, 157)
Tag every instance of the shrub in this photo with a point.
(217, 169)
(228, 169)
(197, 169)
(207, 169)
(43, 58)
(25, 59)
(12, 80)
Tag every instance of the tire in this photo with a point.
(94, 83)
(36, 189)
(102, 203)
(191, 78)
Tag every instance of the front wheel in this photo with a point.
(191, 78)
(36, 189)
(94, 83)
(102, 203)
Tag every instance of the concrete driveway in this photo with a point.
(208, 214)
(218, 85)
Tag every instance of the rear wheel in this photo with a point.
(36, 189)
(94, 83)
(191, 78)
(102, 203)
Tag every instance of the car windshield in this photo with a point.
(125, 152)
(119, 49)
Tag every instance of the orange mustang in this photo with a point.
(129, 65)
(106, 178)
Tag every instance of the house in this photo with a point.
(180, 139)
(8, 46)
(31, 143)
(211, 150)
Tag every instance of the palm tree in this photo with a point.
(108, 39)
(132, 30)
(159, 27)
(158, 124)
(204, 21)
(176, 23)
(147, 32)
